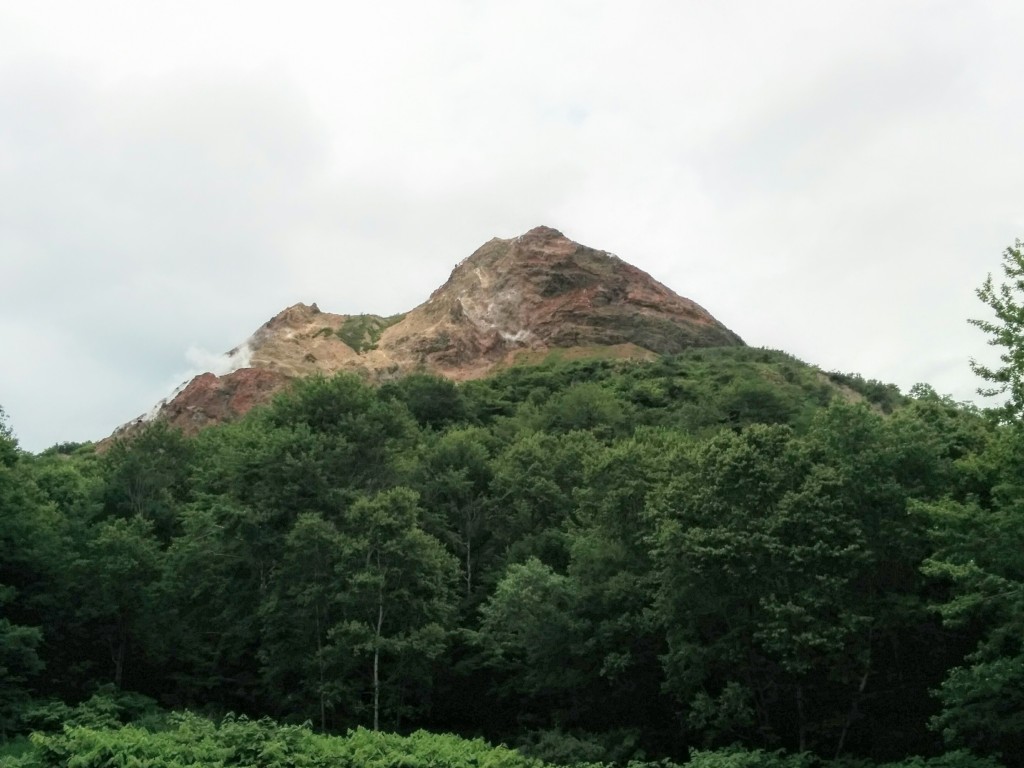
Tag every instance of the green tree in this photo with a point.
(398, 602)
(978, 535)
(19, 661)
(978, 554)
(613, 532)
(433, 401)
(118, 571)
(346, 428)
(1006, 300)
(531, 635)
(760, 554)
(298, 614)
(8, 443)
(146, 475)
(532, 496)
(756, 401)
(28, 554)
(453, 477)
(314, 449)
(586, 406)
(206, 615)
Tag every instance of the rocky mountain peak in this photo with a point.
(512, 300)
(294, 315)
(542, 232)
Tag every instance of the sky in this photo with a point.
(833, 179)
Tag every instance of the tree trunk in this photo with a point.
(801, 719)
(376, 664)
(469, 563)
(855, 703)
(118, 653)
(320, 663)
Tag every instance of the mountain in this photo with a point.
(513, 300)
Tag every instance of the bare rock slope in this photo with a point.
(511, 301)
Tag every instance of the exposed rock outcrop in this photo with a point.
(511, 300)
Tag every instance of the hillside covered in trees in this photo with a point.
(587, 560)
(723, 557)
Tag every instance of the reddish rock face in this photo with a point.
(511, 300)
(542, 291)
(210, 399)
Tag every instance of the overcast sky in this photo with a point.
(833, 179)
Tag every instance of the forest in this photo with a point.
(721, 558)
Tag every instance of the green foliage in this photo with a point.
(978, 537)
(426, 750)
(735, 757)
(529, 632)
(978, 554)
(558, 747)
(787, 570)
(107, 708)
(887, 397)
(239, 741)
(297, 657)
(585, 406)
(956, 759)
(316, 448)
(434, 402)
(531, 502)
(207, 604)
(189, 740)
(19, 660)
(8, 443)
(1006, 301)
(453, 478)
(12, 749)
(698, 391)
(362, 332)
(146, 476)
(121, 565)
(30, 558)
(597, 560)
(398, 601)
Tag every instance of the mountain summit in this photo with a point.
(511, 301)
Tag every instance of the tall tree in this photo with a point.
(1006, 300)
(978, 538)
(346, 435)
(453, 478)
(19, 661)
(977, 553)
(298, 613)
(213, 577)
(612, 536)
(398, 601)
(118, 571)
(18, 644)
(28, 558)
(761, 550)
(146, 476)
(532, 492)
(531, 635)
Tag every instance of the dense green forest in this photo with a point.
(724, 556)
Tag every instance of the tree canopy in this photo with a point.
(724, 556)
